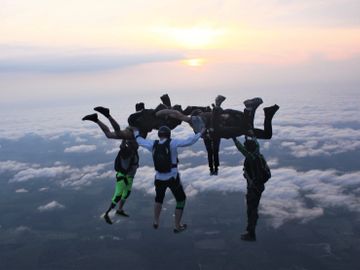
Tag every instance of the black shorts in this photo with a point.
(175, 186)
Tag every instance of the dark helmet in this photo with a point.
(164, 131)
(250, 145)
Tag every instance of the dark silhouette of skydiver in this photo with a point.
(126, 163)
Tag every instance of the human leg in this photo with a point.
(180, 197)
(124, 195)
(160, 189)
(216, 148)
(253, 196)
(209, 150)
(119, 187)
(266, 133)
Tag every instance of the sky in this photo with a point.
(65, 50)
(60, 59)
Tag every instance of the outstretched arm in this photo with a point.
(147, 144)
(190, 140)
(241, 148)
(173, 114)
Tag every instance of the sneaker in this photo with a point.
(104, 111)
(248, 237)
(107, 219)
(139, 106)
(122, 213)
(197, 123)
(165, 99)
(218, 100)
(155, 226)
(180, 229)
(252, 104)
(270, 111)
(91, 117)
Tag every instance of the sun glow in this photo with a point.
(194, 62)
(191, 38)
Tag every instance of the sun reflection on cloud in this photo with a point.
(194, 62)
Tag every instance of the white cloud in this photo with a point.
(51, 206)
(13, 166)
(285, 195)
(21, 229)
(47, 172)
(80, 149)
(21, 190)
(189, 153)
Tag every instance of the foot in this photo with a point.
(122, 213)
(252, 104)
(248, 236)
(197, 123)
(155, 225)
(166, 100)
(103, 111)
(180, 229)
(107, 219)
(218, 100)
(139, 106)
(211, 172)
(216, 172)
(270, 111)
(91, 117)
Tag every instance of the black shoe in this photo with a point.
(211, 172)
(166, 100)
(91, 117)
(252, 104)
(107, 219)
(104, 111)
(248, 237)
(155, 226)
(219, 100)
(139, 106)
(216, 172)
(122, 213)
(180, 229)
(270, 111)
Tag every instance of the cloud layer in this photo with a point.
(51, 206)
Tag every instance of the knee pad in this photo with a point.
(127, 195)
(180, 204)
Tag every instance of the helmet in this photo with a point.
(164, 131)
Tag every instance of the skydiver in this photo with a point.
(255, 178)
(165, 159)
(126, 163)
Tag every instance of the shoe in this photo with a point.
(216, 172)
(252, 104)
(91, 117)
(180, 229)
(166, 100)
(155, 226)
(197, 123)
(107, 219)
(248, 237)
(218, 100)
(211, 172)
(122, 213)
(103, 111)
(270, 111)
(139, 106)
